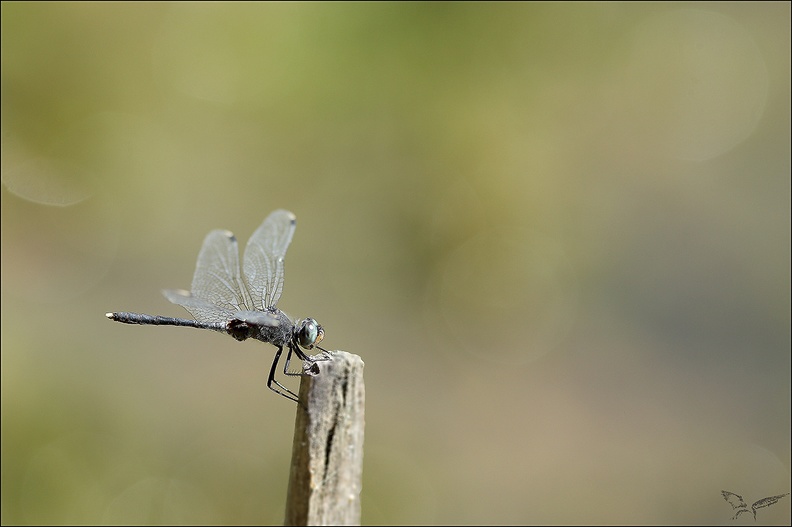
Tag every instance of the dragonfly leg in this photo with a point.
(291, 395)
(309, 363)
(300, 356)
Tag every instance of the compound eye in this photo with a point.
(308, 333)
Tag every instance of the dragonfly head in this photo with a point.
(309, 333)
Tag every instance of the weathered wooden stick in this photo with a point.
(327, 456)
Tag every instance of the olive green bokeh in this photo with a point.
(557, 234)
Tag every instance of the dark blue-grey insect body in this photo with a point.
(242, 301)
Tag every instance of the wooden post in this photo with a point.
(327, 456)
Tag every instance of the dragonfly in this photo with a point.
(241, 302)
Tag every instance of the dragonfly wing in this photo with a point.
(202, 310)
(257, 318)
(217, 279)
(264, 256)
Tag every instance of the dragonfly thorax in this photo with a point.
(279, 333)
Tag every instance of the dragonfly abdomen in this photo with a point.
(156, 320)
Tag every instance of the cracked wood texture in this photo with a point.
(327, 456)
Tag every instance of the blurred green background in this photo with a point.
(557, 234)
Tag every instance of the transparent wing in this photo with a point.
(217, 279)
(264, 256)
(205, 312)
(257, 318)
(200, 309)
